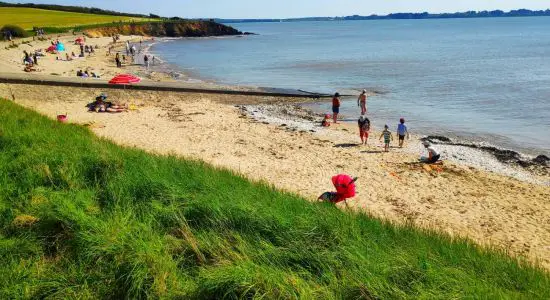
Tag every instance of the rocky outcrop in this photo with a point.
(165, 29)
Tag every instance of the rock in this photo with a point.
(437, 138)
(541, 160)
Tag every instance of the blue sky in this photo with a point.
(296, 8)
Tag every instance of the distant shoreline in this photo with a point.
(406, 16)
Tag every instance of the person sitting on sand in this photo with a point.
(326, 121)
(362, 102)
(335, 107)
(364, 128)
(67, 57)
(402, 131)
(433, 155)
(386, 134)
(79, 73)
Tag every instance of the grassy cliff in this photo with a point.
(27, 18)
(188, 28)
(83, 218)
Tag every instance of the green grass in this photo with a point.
(27, 18)
(83, 218)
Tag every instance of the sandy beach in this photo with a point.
(494, 208)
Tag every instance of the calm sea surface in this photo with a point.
(476, 79)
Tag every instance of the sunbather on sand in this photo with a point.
(100, 105)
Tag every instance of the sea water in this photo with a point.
(486, 80)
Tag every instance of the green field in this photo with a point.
(83, 218)
(27, 18)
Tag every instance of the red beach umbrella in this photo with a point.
(78, 40)
(345, 186)
(51, 48)
(124, 79)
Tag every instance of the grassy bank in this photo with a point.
(81, 217)
(27, 18)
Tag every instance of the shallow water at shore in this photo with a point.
(482, 80)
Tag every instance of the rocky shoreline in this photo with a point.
(539, 164)
(294, 117)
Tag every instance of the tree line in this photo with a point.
(401, 16)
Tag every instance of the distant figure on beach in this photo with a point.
(433, 155)
(146, 61)
(362, 102)
(117, 60)
(26, 57)
(386, 134)
(335, 107)
(402, 131)
(153, 60)
(364, 128)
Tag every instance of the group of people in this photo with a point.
(30, 61)
(86, 74)
(7, 35)
(39, 32)
(364, 125)
(101, 105)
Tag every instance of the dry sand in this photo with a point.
(489, 208)
(99, 63)
(492, 209)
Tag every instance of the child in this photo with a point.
(335, 107)
(402, 131)
(364, 127)
(387, 138)
(326, 121)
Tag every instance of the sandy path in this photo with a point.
(491, 209)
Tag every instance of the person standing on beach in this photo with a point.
(386, 134)
(402, 131)
(153, 60)
(117, 60)
(364, 128)
(335, 107)
(362, 102)
(146, 61)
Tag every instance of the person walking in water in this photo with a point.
(335, 107)
(364, 128)
(402, 132)
(362, 102)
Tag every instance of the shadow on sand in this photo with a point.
(348, 145)
(372, 151)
